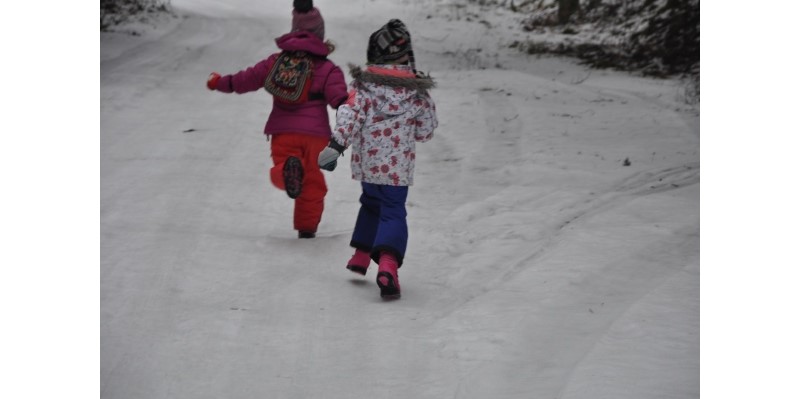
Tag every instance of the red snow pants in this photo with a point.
(309, 205)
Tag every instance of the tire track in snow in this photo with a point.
(626, 329)
(496, 184)
(551, 296)
(639, 184)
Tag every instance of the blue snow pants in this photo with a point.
(381, 224)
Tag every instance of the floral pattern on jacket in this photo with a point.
(388, 111)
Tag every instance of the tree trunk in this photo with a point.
(566, 8)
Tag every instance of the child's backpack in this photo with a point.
(290, 77)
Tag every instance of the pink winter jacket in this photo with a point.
(388, 111)
(327, 80)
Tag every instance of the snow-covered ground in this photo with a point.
(188, 295)
(541, 264)
(205, 292)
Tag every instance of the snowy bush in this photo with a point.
(670, 41)
(656, 37)
(115, 12)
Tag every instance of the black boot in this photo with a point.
(305, 234)
(293, 177)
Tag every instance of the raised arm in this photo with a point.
(244, 81)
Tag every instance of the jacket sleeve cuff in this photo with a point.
(336, 146)
(225, 84)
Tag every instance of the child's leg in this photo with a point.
(364, 232)
(392, 233)
(310, 203)
(283, 146)
(367, 221)
(391, 238)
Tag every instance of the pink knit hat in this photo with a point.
(307, 17)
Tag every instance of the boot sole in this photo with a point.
(389, 290)
(293, 177)
(357, 269)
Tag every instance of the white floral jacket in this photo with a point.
(387, 112)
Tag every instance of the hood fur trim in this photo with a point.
(422, 83)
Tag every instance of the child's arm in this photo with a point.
(247, 80)
(349, 120)
(335, 88)
(426, 120)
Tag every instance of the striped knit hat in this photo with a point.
(308, 18)
(390, 43)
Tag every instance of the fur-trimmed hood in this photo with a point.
(421, 82)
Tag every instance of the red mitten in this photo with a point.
(212, 81)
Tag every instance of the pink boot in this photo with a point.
(387, 276)
(359, 263)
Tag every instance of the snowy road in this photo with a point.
(539, 265)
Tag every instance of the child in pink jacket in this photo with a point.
(303, 82)
(387, 112)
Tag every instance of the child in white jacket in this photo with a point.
(387, 112)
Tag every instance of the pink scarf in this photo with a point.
(391, 72)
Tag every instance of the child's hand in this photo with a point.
(212, 81)
(327, 158)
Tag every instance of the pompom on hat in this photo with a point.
(306, 17)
